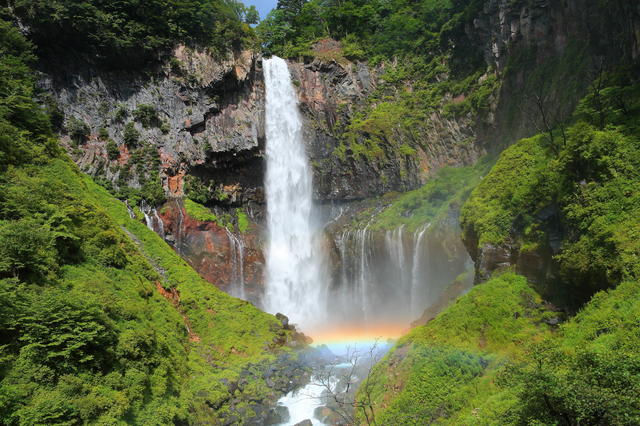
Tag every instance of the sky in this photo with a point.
(263, 6)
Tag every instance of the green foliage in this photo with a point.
(198, 211)
(146, 115)
(101, 322)
(589, 372)
(122, 35)
(379, 28)
(431, 203)
(27, 250)
(447, 367)
(130, 135)
(77, 130)
(519, 182)
(25, 133)
(591, 181)
(203, 192)
(243, 221)
(113, 152)
(120, 114)
(103, 133)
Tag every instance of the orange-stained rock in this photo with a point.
(175, 183)
(207, 248)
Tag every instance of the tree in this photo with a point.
(251, 15)
(27, 250)
(342, 397)
(130, 135)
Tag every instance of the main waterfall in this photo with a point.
(293, 259)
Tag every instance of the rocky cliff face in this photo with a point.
(234, 262)
(205, 116)
(549, 53)
(330, 94)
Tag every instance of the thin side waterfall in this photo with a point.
(236, 254)
(416, 305)
(394, 242)
(159, 222)
(152, 219)
(293, 258)
(362, 239)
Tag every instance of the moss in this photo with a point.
(198, 211)
(520, 181)
(431, 203)
(243, 221)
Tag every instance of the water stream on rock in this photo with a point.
(236, 251)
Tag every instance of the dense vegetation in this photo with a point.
(497, 356)
(582, 180)
(370, 29)
(431, 203)
(129, 33)
(494, 357)
(100, 321)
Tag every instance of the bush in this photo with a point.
(120, 114)
(77, 130)
(121, 35)
(146, 115)
(113, 152)
(27, 250)
(103, 133)
(130, 135)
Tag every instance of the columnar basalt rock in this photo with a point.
(205, 113)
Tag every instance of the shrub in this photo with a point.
(103, 133)
(77, 130)
(113, 152)
(120, 114)
(27, 250)
(146, 115)
(130, 135)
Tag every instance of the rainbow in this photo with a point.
(342, 338)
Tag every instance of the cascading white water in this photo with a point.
(417, 305)
(394, 241)
(151, 218)
(293, 259)
(236, 254)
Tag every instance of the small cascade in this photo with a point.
(178, 230)
(389, 277)
(363, 240)
(152, 219)
(417, 271)
(236, 254)
(159, 223)
(132, 214)
(394, 243)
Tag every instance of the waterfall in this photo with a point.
(395, 247)
(132, 214)
(236, 253)
(159, 222)
(293, 258)
(416, 305)
(364, 245)
(152, 219)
